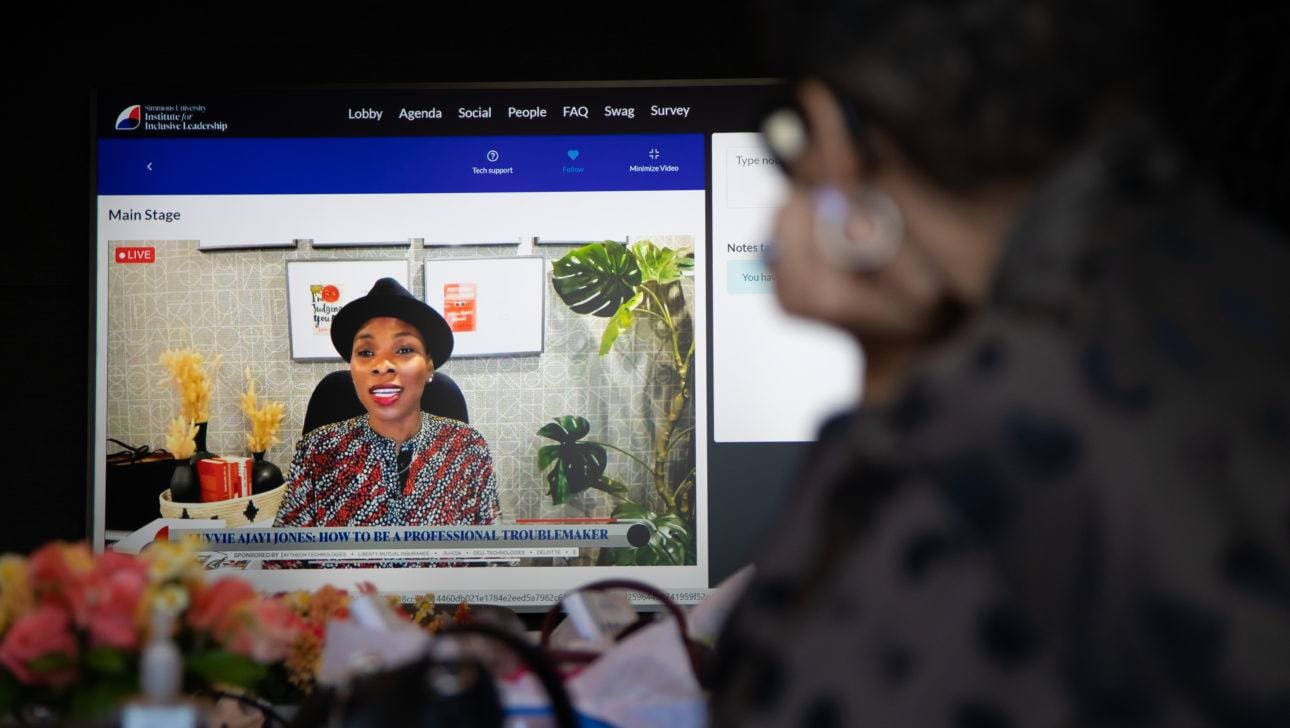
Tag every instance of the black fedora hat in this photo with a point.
(389, 298)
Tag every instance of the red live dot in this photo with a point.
(136, 255)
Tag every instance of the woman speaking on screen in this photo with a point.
(395, 465)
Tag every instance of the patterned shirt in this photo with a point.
(1077, 514)
(345, 474)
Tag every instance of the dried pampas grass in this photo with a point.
(265, 420)
(188, 372)
(181, 438)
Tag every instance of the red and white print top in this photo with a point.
(345, 474)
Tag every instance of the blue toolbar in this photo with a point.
(401, 165)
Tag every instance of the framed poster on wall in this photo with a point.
(493, 305)
(316, 291)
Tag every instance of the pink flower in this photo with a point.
(103, 594)
(106, 601)
(56, 567)
(212, 607)
(45, 631)
(262, 630)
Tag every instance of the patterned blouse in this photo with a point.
(345, 474)
(1077, 514)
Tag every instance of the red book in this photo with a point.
(224, 478)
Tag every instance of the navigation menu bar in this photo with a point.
(644, 109)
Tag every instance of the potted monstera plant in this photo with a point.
(573, 464)
(633, 286)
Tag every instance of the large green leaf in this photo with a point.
(565, 429)
(547, 454)
(574, 466)
(685, 260)
(630, 511)
(579, 467)
(661, 265)
(611, 486)
(620, 322)
(596, 278)
(557, 486)
(670, 521)
(669, 542)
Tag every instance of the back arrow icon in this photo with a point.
(149, 166)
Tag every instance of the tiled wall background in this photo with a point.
(234, 303)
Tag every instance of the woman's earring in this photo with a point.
(860, 231)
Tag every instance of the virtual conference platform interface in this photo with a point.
(575, 269)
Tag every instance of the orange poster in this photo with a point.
(459, 306)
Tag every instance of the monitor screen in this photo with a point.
(563, 361)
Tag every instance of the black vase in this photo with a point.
(265, 476)
(200, 441)
(184, 485)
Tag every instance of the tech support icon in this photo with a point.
(129, 118)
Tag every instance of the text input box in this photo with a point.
(753, 179)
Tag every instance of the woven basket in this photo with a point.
(234, 511)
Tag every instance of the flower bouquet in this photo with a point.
(73, 627)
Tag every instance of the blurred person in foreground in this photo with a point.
(1065, 499)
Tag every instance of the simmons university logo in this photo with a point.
(129, 118)
(167, 117)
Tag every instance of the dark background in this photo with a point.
(1226, 94)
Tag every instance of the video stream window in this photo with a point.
(541, 431)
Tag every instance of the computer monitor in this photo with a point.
(633, 397)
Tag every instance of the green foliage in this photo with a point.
(276, 687)
(8, 693)
(573, 465)
(596, 278)
(624, 285)
(107, 660)
(670, 542)
(51, 662)
(686, 261)
(612, 486)
(222, 666)
(660, 265)
(609, 280)
(111, 680)
(105, 678)
(622, 320)
(103, 697)
(566, 430)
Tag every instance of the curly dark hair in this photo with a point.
(970, 91)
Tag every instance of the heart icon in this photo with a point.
(573, 154)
